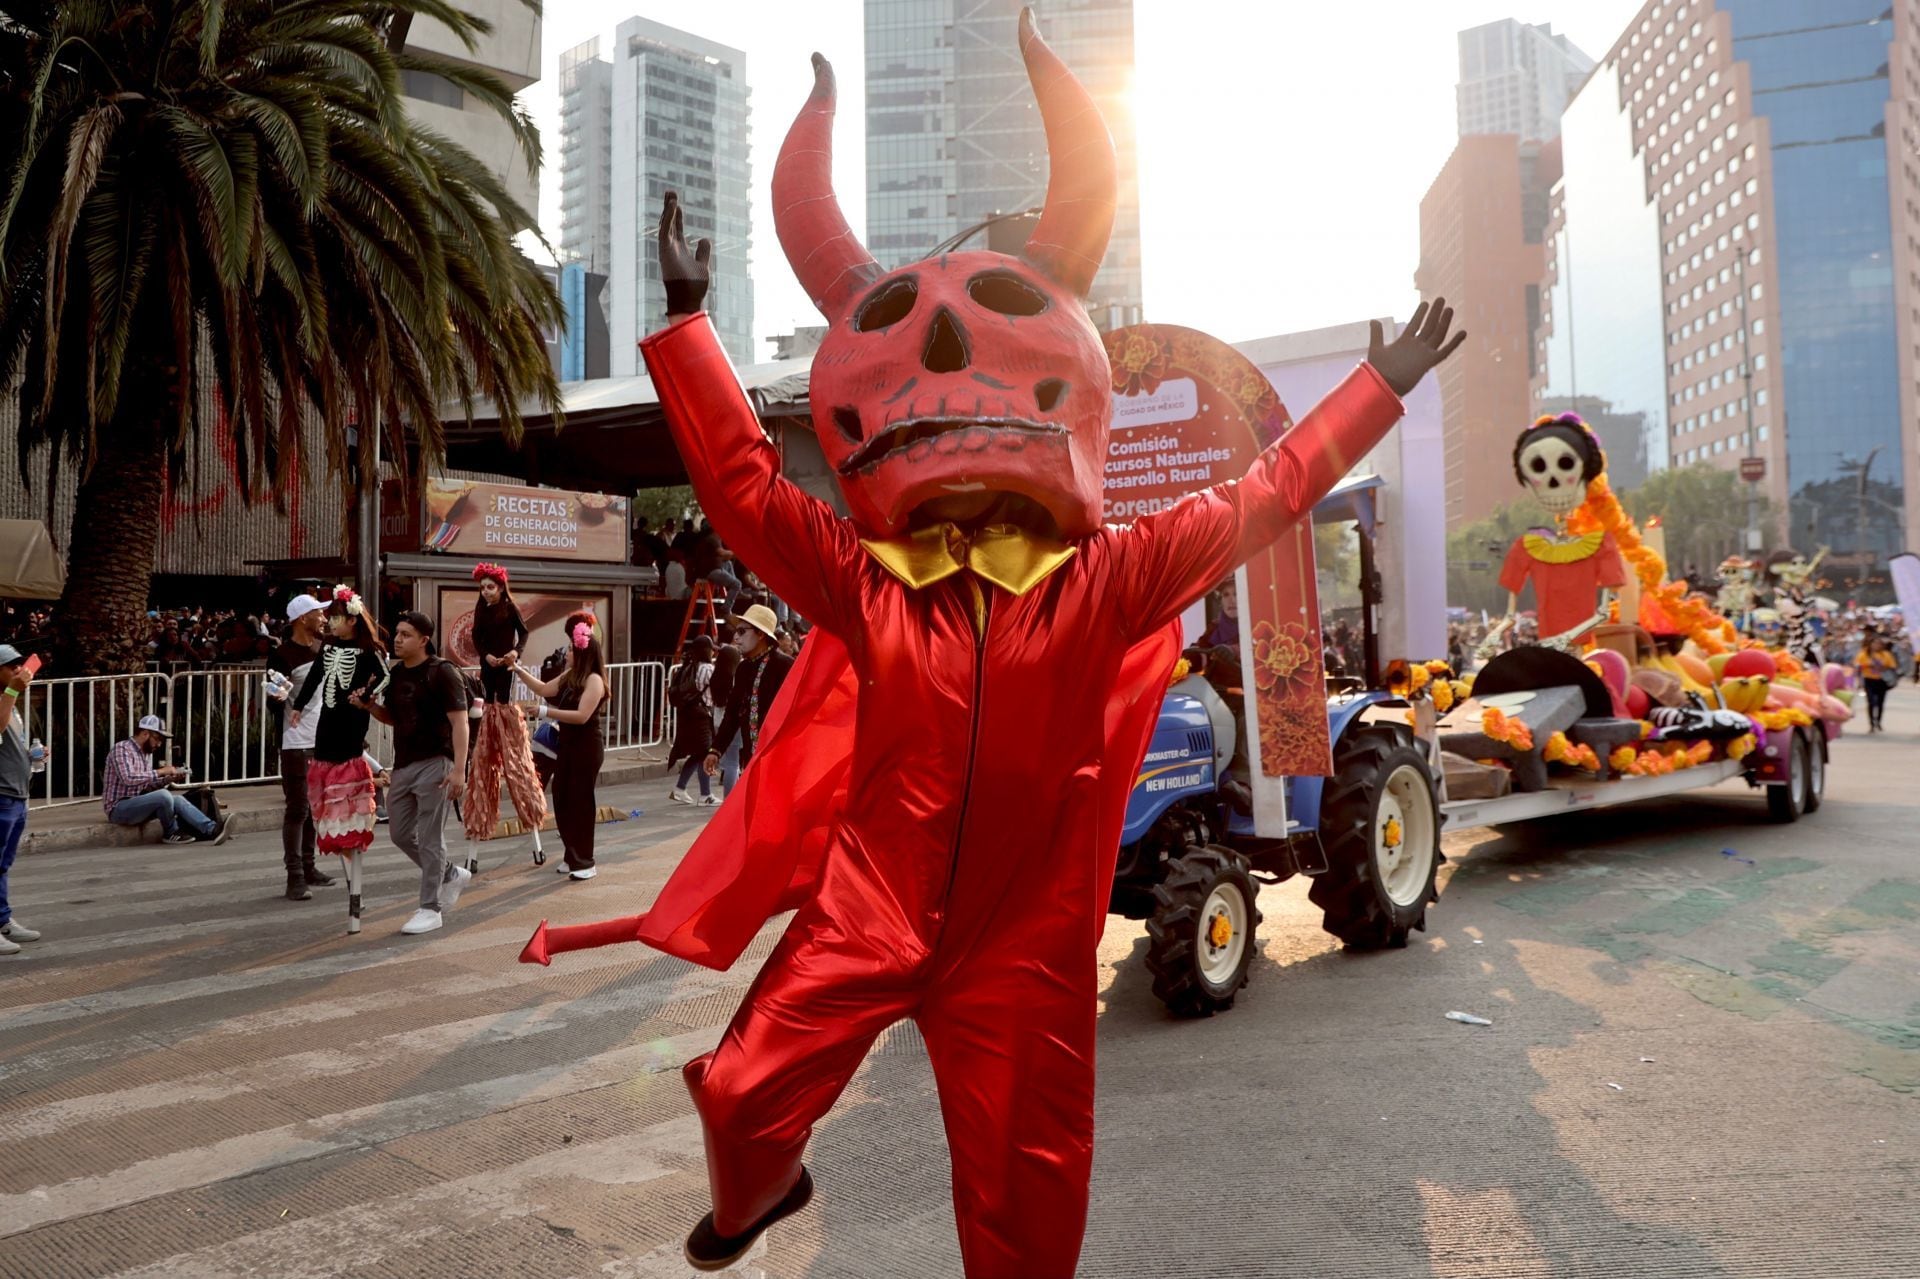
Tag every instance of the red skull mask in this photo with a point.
(970, 372)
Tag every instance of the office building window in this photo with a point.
(428, 87)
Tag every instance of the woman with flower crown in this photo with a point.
(340, 791)
(575, 700)
(501, 751)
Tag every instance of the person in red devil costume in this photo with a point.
(942, 779)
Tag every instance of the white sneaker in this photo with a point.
(423, 921)
(450, 891)
(9, 947)
(708, 801)
(588, 873)
(14, 930)
(679, 795)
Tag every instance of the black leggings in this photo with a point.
(1876, 701)
(496, 682)
(574, 803)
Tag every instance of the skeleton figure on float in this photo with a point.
(1574, 576)
(1795, 609)
(1738, 593)
(938, 788)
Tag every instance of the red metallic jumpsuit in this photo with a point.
(965, 884)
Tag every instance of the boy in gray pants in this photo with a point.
(425, 700)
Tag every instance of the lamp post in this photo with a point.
(1752, 470)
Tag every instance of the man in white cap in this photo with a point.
(14, 773)
(307, 619)
(136, 791)
(756, 682)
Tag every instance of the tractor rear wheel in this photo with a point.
(1380, 828)
(1201, 934)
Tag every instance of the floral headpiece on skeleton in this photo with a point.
(347, 599)
(481, 572)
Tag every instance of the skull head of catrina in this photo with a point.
(1556, 458)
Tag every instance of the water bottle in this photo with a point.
(37, 755)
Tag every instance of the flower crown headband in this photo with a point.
(345, 595)
(481, 572)
(580, 628)
(1564, 419)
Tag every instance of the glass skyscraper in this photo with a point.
(1742, 188)
(1821, 74)
(680, 123)
(954, 137)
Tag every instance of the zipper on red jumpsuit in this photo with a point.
(982, 613)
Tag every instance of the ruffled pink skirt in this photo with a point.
(342, 799)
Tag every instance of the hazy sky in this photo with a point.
(1284, 144)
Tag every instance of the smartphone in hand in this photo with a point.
(32, 664)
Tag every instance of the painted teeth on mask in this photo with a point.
(919, 439)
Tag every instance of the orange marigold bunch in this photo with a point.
(1562, 751)
(1495, 724)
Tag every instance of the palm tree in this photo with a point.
(226, 199)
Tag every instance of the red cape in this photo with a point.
(761, 854)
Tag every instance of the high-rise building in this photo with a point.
(1482, 232)
(954, 137)
(680, 122)
(1736, 253)
(511, 50)
(586, 157)
(1516, 78)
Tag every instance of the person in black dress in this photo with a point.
(575, 701)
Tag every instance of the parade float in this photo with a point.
(1639, 689)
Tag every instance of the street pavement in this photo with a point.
(1705, 1061)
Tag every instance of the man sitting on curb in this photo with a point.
(136, 791)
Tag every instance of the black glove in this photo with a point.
(1420, 346)
(684, 272)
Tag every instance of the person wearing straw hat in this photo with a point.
(763, 669)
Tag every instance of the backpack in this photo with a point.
(683, 691)
(204, 799)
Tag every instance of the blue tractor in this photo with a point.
(1199, 841)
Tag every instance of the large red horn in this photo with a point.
(825, 254)
(1083, 178)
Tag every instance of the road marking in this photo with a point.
(674, 983)
(368, 1234)
(360, 1129)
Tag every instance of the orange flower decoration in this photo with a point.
(1691, 616)
(1140, 365)
(1278, 655)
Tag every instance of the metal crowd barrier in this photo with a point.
(225, 729)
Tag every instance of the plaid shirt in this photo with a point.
(129, 773)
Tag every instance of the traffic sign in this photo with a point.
(1753, 469)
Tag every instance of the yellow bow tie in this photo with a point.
(1004, 554)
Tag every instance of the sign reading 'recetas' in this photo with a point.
(477, 518)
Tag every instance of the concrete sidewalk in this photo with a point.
(254, 808)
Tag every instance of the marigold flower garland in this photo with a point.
(1694, 618)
